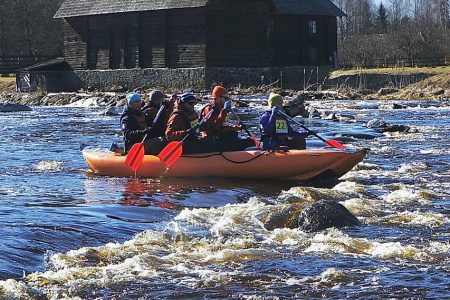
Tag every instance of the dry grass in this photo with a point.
(392, 71)
(7, 84)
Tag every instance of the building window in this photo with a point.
(313, 26)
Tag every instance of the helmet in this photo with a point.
(186, 97)
(133, 97)
(219, 91)
(156, 95)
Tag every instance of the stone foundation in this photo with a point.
(174, 79)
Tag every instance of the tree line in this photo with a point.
(386, 32)
(27, 28)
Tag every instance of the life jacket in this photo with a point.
(136, 121)
(189, 122)
(281, 127)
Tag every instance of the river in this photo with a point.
(67, 234)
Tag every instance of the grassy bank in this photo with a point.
(392, 71)
(8, 84)
(424, 83)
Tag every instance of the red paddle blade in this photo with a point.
(334, 144)
(171, 153)
(135, 156)
(257, 143)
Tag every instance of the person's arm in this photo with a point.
(176, 128)
(268, 122)
(128, 132)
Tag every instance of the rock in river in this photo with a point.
(11, 107)
(325, 214)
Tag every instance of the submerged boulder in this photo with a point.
(381, 126)
(325, 214)
(110, 111)
(10, 107)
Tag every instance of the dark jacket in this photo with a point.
(273, 137)
(132, 123)
(151, 110)
(179, 123)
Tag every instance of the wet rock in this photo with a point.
(325, 214)
(398, 128)
(313, 113)
(376, 123)
(381, 126)
(392, 106)
(11, 107)
(284, 217)
(110, 111)
(296, 106)
(331, 116)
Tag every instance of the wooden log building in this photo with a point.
(182, 44)
(128, 34)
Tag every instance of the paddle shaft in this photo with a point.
(203, 120)
(303, 126)
(158, 114)
(240, 122)
(245, 128)
(136, 154)
(170, 154)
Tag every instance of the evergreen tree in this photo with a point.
(381, 22)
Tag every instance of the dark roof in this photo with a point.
(50, 65)
(73, 8)
(307, 8)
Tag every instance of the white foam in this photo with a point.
(402, 196)
(48, 166)
(418, 218)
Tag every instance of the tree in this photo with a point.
(27, 27)
(381, 22)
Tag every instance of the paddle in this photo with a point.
(251, 135)
(136, 154)
(172, 152)
(329, 142)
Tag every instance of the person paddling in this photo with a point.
(155, 101)
(183, 121)
(133, 122)
(276, 132)
(226, 135)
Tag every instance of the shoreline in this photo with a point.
(364, 84)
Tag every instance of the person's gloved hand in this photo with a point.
(192, 131)
(312, 132)
(275, 110)
(146, 130)
(227, 105)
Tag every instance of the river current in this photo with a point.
(67, 234)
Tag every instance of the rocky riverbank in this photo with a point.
(346, 85)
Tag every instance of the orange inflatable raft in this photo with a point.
(254, 164)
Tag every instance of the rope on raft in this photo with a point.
(228, 159)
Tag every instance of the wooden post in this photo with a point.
(304, 80)
(317, 79)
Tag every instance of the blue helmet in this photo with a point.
(133, 97)
(186, 97)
